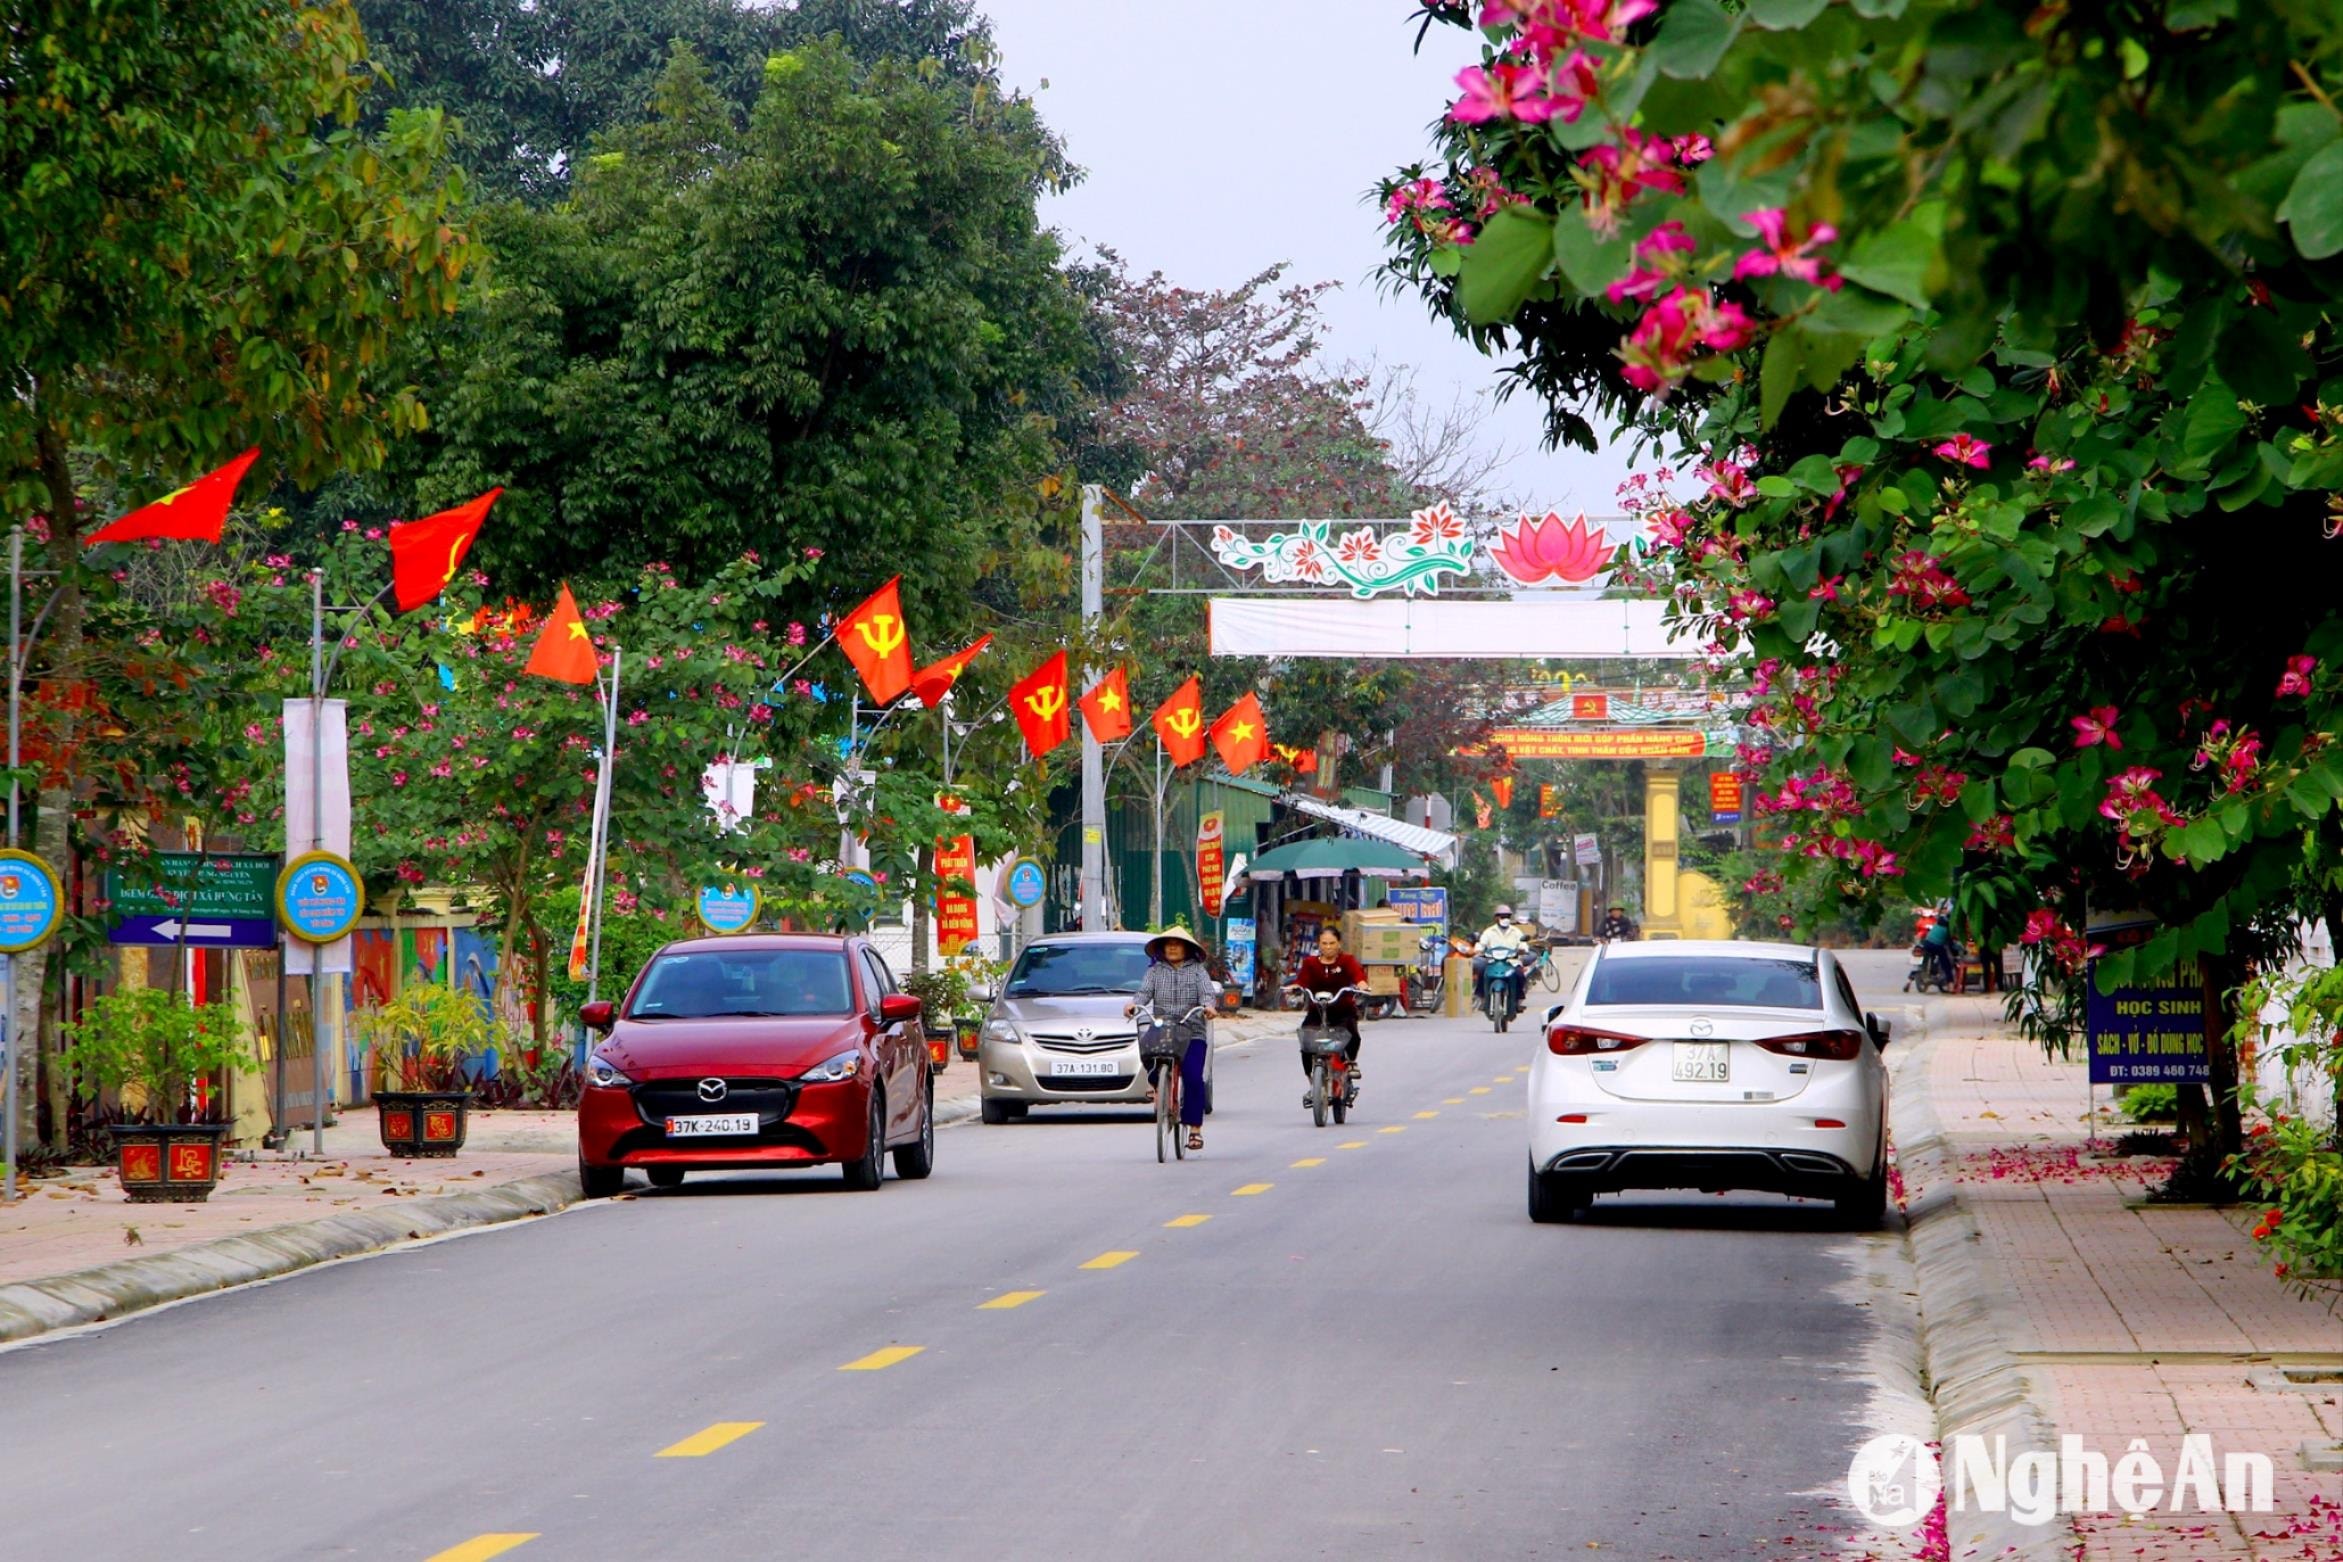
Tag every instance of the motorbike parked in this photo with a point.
(1427, 983)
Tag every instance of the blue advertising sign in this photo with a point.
(1025, 882)
(30, 901)
(2144, 1035)
(728, 907)
(1420, 904)
(320, 897)
(1237, 949)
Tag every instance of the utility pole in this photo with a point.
(1093, 770)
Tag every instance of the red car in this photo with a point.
(754, 1051)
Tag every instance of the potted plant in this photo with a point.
(421, 1039)
(162, 1044)
(941, 990)
(983, 980)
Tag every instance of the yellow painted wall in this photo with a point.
(1701, 904)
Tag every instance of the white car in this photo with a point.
(1709, 1065)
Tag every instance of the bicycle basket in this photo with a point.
(1318, 1040)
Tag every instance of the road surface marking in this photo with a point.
(1008, 1299)
(1311, 1160)
(1478, 1090)
(880, 1360)
(701, 1444)
(1112, 1260)
(481, 1547)
(1420, 1116)
(1352, 1144)
(1251, 1188)
(1503, 1079)
(1395, 1128)
(1452, 1100)
(1180, 1221)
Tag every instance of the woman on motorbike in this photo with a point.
(1331, 970)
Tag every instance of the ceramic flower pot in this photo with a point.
(424, 1122)
(168, 1163)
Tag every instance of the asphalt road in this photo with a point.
(1338, 1342)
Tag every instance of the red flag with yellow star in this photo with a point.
(932, 682)
(1179, 722)
(878, 645)
(1242, 735)
(1106, 709)
(1038, 701)
(191, 514)
(564, 651)
(425, 553)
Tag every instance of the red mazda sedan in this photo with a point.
(755, 1051)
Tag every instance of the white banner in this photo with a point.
(1586, 851)
(301, 809)
(1505, 628)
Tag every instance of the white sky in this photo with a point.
(1220, 136)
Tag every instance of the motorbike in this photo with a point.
(1925, 976)
(1426, 983)
(1500, 987)
(1333, 1087)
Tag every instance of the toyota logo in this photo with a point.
(1083, 1033)
(1703, 1026)
(713, 1090)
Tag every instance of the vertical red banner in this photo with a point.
(955, 912)
(1724, 792)
(1211, 862)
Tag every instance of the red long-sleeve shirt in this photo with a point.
(1320, 976)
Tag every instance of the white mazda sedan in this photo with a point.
(1710, 1066)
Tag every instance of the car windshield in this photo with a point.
(1071, 970)
(713, 984)
(1706, 981)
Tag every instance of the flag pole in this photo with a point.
(8, 1036)
(809, 656)
(1155, 896)
(317, 970)
(598, 861)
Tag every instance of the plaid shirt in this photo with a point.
(1175, 989)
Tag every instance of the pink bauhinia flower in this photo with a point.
(1676, 330)
(2096, 726)
(2295, 681)
(1416, 195)
(1966, 450)
(1779, 256)
(1516, 92)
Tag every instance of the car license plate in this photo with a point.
(1700, 1062)
(711, 1124)
(1090, 1067)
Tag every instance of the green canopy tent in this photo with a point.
(1330, 857)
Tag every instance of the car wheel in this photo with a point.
(664, 1176)
(1551, 1200)
(863, 1175)
(600, 1182)
(915, 1160)
(997, 1112)
(1864, 1204)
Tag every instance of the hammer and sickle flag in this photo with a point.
(1242, 735)
(564, 651)
(1039, 702)
(1179, 722)
(191, 514)
(425, 554)
(1106, 709)
(932, 682)
(877, 643)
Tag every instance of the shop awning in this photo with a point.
(1415, 839)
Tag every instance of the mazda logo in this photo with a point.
(713, 1090)
(1700, 1027)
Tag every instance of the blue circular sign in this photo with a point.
(729, 907)
(30, 902)
(1026, 883)
(863, 878)
(320, 897)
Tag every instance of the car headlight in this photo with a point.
(844, 1066)
(1002, 1031)
(601, 1071)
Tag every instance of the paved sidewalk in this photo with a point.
(2110, 1319)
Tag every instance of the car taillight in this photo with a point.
(1840, 1044)
(1576, 1041)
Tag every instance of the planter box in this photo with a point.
(968, 1037)
(168, 1163)
(424, 1122)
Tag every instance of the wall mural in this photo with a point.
(1538, 551)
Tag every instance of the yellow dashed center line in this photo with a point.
(1112, 1260)
(1395, 1128)
(701, 1444)
(1452, 1100)
(481, 1547)
(880, 1360)
(1008, 1299)
(1352, 1144)
(1179, 1221)
(1479, 1090)
(1420, 1116)
(1503, 1079)
(1251, 1188)
(1311, 1160)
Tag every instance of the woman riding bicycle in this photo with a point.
(1175, 984)
(1331, 970)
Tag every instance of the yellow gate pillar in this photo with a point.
(1662, 824)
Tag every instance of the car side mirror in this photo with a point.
(895, 1008)
(1880, 1030)
(599, 1016)
(984, 995)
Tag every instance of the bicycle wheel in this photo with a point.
(1318, 1091)
(1341, 1102)
(1551, 975)
(1171, 1116)
(1165, 1122)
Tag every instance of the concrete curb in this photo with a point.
(1978, 1387)
(34, 1307)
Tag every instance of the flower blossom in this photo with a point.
(1777, 256)
(1675, 331)
(2295, 681)
(2096, 726)
(1516, 92)
(1966, 450)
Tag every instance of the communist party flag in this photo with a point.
(1242, 735)
(1038, 700)
(425, 553)
(1502, 788)
(1106, 709)
(1179, 722)
(564, 651)
(877, 643)
(191, 514)
(932, 682)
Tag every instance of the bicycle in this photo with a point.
(1159, 1053)
(1332, 1085)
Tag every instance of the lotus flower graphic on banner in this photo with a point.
(1533, 550)
(1367, 562)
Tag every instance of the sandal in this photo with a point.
(1195, 1138)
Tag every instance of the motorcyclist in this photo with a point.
(1332, 970)
(1936, 946)
(1501, 936)
(1617, 926)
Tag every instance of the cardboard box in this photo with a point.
(1380, 937)
(1383, 980)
